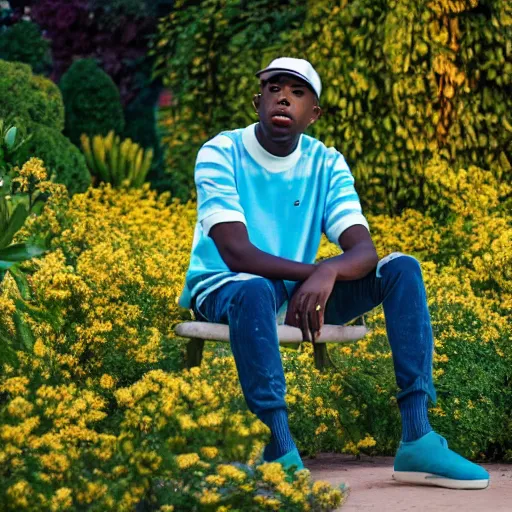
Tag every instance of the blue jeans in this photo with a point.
(250, 308)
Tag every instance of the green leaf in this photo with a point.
(23, 330)
(16, 221)
(20, 252)
(21, 281)
(10, 137)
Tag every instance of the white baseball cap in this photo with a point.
(300, 68)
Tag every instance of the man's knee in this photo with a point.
(398, 263)
(255, 293)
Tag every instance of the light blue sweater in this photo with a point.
(285, 202)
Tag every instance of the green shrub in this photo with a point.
(120, 162)
(59, 155)
(92, 101)
(207, 55)
(22, 42)
(26, 98)
(406, 82)
(142, 127)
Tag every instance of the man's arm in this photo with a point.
(240, 255)
(307, 306)
(359, 256)
(358, 259)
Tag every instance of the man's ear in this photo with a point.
(256, 102)
(317, 114)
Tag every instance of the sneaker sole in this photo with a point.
(414, 477)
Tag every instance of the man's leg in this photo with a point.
(249, 308)
(397, 283)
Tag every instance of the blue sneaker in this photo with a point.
(429, 461)
(290, 459)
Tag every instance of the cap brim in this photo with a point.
(265, 74)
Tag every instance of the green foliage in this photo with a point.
(141, 127)
(113, 10)
(22, 42)
(202, 54)
(118, 163)
(35, 104)
(21, 196)
(93, 104)
(26, 98)
(10, 141)
(405, 83)
(60, 156)
(402, 82)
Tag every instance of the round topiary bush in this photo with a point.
(59, 155)
(26, 98)
(92, 101)
(22, 42)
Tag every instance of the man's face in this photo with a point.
(286, 107)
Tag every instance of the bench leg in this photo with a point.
(194, 352)
(322, 360)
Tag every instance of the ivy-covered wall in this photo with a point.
(403, 82)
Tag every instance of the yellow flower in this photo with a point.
(272, 472)
(321, 486)
(15, 386)
(107, 381)
(32, 170)
(350, 447)
(19, 407)
(268, 503)
(209, 497)
(215, 480)
(62, 499)
(437, 411)
(210, 452)
(56, 462)
(367, 442)
(39, 348)
(187, 460)
(231, 472)
(19, 493)
(321, 429)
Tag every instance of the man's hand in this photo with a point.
(307, 306)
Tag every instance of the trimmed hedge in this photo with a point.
(92, 101)
(59, 155)
(26, 98)
(22, 42)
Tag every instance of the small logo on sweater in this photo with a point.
(296, 203)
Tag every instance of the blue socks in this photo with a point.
(281, 441)
(413, 409)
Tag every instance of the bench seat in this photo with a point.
(199, 332)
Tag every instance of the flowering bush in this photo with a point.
(173, 440)
(99, 414)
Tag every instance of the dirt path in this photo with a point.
(373, 489)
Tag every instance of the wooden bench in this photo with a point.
(199, 332)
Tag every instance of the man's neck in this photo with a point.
(282, 149)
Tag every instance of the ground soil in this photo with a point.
(373, 489)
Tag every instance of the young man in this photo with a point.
(265, 194)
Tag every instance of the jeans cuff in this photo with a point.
(420, 384)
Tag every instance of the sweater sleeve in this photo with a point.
(342, 208)
(217, 196)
